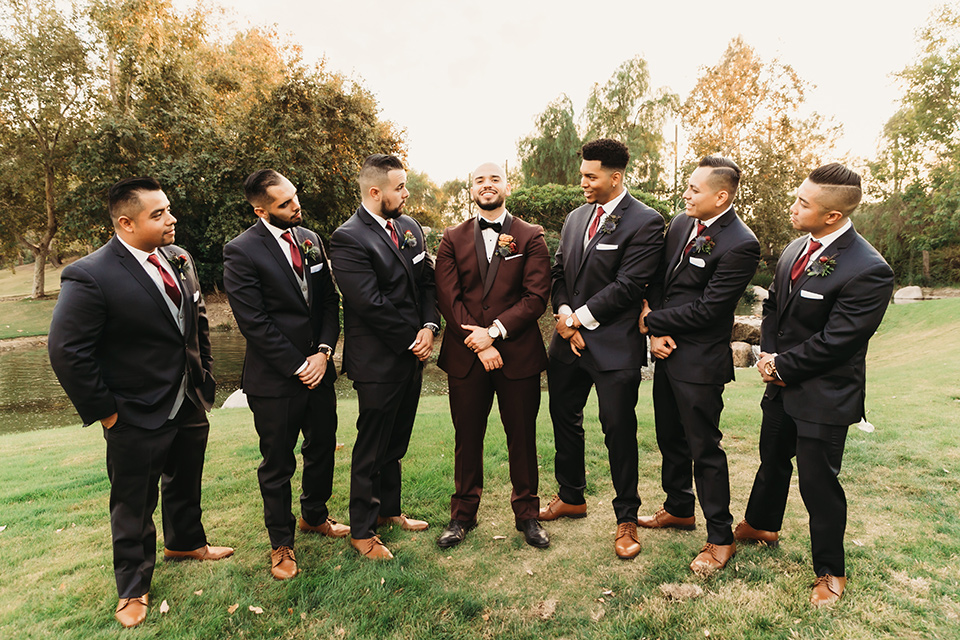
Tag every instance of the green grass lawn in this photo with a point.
(20, 282)
(903, 537)
(21, 318)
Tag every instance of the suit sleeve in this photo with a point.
(637, 268)
(358, 285)
(203, 325)
(536, 287)
(330, 329)
(718, 300)
(76, 328)
(853, 320)
(428, 286)
(559, 294)
(449, 291)
(244, 290)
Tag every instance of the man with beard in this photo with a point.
(493, 281)
(282, 294)
(389, 321)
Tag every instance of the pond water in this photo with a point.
(31, 397)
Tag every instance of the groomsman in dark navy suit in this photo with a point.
(829, 295)
(390, 319)
(278, 280)
(129, 342)
(609, 252)
(709, 259)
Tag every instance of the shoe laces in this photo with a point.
(284, 553)
(826, 582)
(624, 529)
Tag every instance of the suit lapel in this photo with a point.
(835, 249)
(186, 294)
(496, 260)
(384, 236)
(140, 275)
(481, 250)
(306, 269)
(273, 248)
(578, 227)
(594, 240)
(680, 237)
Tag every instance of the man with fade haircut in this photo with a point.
(277, 278)
(390, 319)
(609, 252)
(709, 259)
(130, 345)
(829, 295)
(493, 281)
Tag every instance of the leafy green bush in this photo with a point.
(549, 204)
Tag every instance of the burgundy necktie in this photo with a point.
(393, 233)
(169, 284)
(595, 224)
(801, 262)
(700, 228)
(294, 253)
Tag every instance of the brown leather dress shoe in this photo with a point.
(132, 611)
(713, 557)
(663, 520)
(627, 545)
(206, 552)
(283, 564)
(745, 533)
(560, 509)
(407, 524)
(330, 528)
(371, 548)
(827, 590)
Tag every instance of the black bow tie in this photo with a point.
(486, 224)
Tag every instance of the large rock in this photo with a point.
(908, 295)
(762, 293)
(236, 400)
(743, 355)
(746, 329)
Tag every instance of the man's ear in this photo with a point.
(124, 223)
(833, 218)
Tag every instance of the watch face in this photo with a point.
(493, 332)
(569, 321)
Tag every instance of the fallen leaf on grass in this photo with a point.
(706, 633)
(303, 615)
(545, 609)
(382, 581)
(233, 608)
(865, 426)
(681, 592)
(499, 537)
(256, 610)
(198, 593)
(340, 631)
(608, 592)
(858, 543)
(596, 615)
(3, 527)
(164, 607)
(486, 617)
(529, 572)
(290, 610)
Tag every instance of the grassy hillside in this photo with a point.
(903, 538)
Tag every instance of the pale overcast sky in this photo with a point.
(466, 80)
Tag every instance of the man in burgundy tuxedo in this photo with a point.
(493, 282)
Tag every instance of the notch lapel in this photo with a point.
(273, 248)
(186, 295)
(140, 275)
(677, 257)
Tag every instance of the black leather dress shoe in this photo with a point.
(533, 533)
(455, 532)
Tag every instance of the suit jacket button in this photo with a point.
(667, 299)
(486, 307)
(576, 292)
(780, 333)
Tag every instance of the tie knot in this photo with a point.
(286, 236)
(700, 227)
(486, 224)
(814, 245)
(153, 259)
(600, 211)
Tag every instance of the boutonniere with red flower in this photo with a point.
(310, 251)
(506, 247)
(181, 264)
(822, 266)
(610, 223)
(409, 240)
(703, 244)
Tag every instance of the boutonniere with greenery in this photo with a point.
(409, 240)
(506, 247)
(181, 264)
(703, 244)
(610, 223)
(822, 266)
(310, 251)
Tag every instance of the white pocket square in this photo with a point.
(607, 247)
(810, 295)
(516, 255)
(316, 267)
(196, 296)
(417, 258)
(698, 262)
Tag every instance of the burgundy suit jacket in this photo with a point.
(512, 289)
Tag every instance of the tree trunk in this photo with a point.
(39, 270)
(42, 249)
(926, 265)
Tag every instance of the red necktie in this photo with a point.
(393, 233)
(595, 224)
(169, 284)
(294, 253)
(700, 228)
(801, 262)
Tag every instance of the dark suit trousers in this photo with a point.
(688, 434)
(387, 412)
(819, 452)
(569, 386)
(137, 460)
(279, 422)
(471, 399)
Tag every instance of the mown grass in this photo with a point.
(22, 318)
(903, 538)
(20, 281)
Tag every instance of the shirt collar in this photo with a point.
(139, 254)
(503, 216)
(830, 238)
(380, 219)
(611, 206)
(276, 231)
(709, 222)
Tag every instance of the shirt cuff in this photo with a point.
(503, 329)
(586, 318)
(565, 310)
(302, 367)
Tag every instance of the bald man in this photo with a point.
(493, 283)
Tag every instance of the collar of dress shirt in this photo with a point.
(830, 238)
(276, 231)
(709, 222)
(380, 219)
(141, 255)
(503, 216)
(611, 206)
